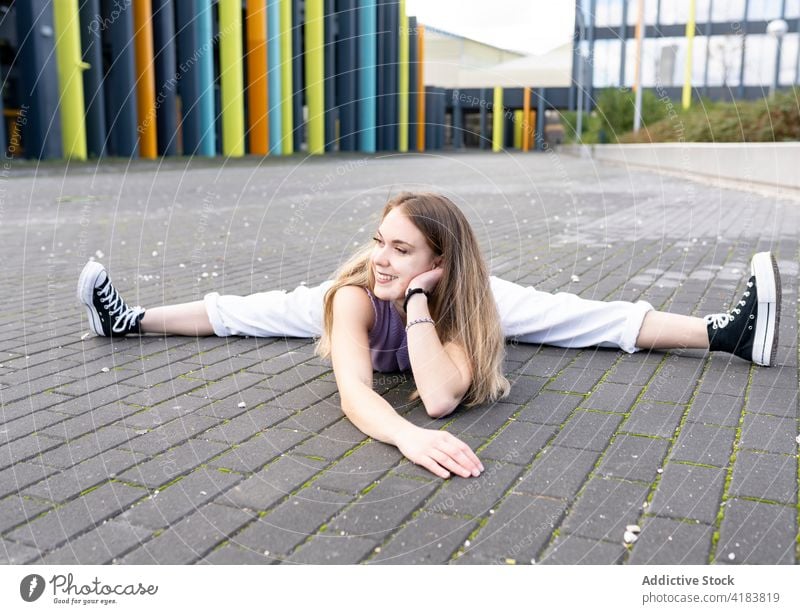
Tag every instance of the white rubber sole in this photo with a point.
(86, 283)
(768, 280)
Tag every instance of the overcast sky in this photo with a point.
(531, 26)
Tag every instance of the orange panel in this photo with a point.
(257, 91)
(145, 78)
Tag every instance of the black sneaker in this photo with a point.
(109, 315)
(750, 329)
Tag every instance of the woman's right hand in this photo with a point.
(439, 452)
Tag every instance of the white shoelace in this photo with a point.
(721, 320)
(123, 316)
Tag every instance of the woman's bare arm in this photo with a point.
(438, 451)
(442, 372)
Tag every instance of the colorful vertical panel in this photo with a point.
(497, 120)
(231, 77)
(205, 59)
(145, 78)
(315, 75)
(70, 80)
(257, 86)
(402, 107)
(287, 120)
(275, 76)
(421, 88)
(367, 78)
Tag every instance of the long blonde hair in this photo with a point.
(461, 304)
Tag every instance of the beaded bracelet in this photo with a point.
(419, 321)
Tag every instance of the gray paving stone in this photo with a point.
(687, 491)
(69, 483)
(558, 472)
(25, 425)
(307, 395)
(73, 452)
(769, 433)
(72, 428)
(292, 378)
(634, 458)
(722, 410)
(519, 442)
(383, 509)
(550, 408)
(101, 546)
(774, 401)
(613, 397)
(727, 383)
(16, 478)
(190, 538)
(170, 435)
(765, 476)
(12, 553)
(231, 554)
(333, 549)
(524, 388)
(701, 443)
(256, 452)
(481, 421)
(588, 430)
(333, 442)
(664, 541)
(16, 509)
(78, 516)
(427, 539)
(292, 522)
(473, 496)
(669, 389)
(188, 494)
(276, 481)
(153, 417)
(547, 364)
(366, 465)
(173, 463)
(575, 379)
(655, 419)
(314, 418)
(243, 427)
(605, 508)
(227, 386)
(30, 447)
(518, 530)
(776, 377)
(631, 373)
(575, 550)
(757, 533)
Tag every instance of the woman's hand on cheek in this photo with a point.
(439, 452)
(427, 280)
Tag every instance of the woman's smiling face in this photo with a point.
(401, 253)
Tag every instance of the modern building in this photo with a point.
(732, 54)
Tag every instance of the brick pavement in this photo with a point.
(179, 450)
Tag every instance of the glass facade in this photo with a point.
(724, 37)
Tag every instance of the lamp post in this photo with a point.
(581, 59)
(776, 29)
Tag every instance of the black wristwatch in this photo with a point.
(411, 292)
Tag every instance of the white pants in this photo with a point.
(526, 315)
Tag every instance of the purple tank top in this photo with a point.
(387, 338)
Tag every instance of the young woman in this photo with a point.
(421, 298)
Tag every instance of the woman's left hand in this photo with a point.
(427, 280)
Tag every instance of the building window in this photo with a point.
(759, 63)
(724, 60)
(788, 75)
(674, 12)
(650, 12)
(792, 9)
(729, 10)
(606, 62)
(764, 10)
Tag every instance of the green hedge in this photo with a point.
(768, 119)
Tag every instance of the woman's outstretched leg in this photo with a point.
(664, 331)
(189, 319)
